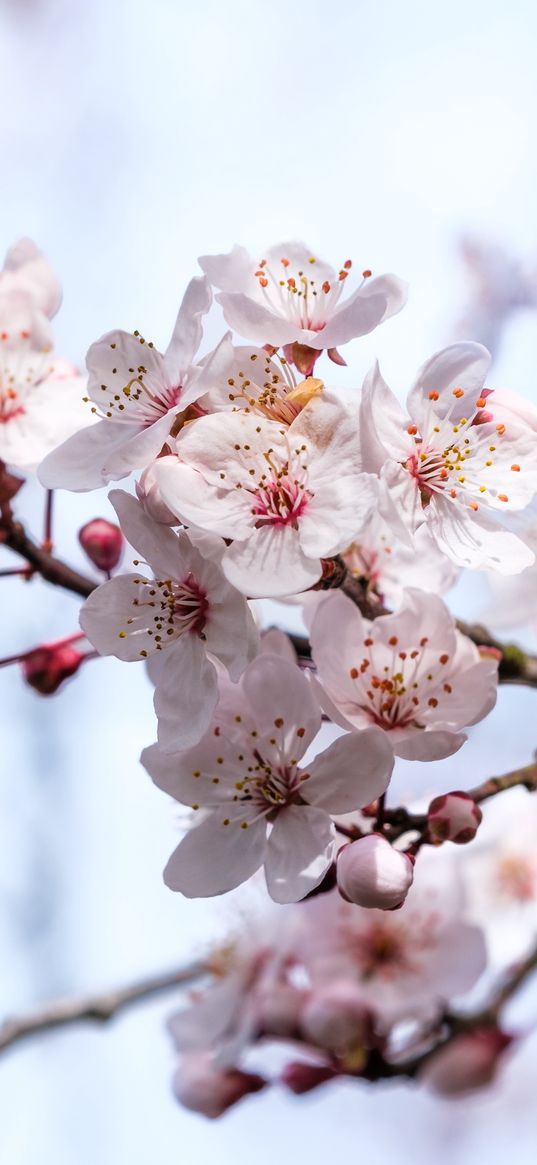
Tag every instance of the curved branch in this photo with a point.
(99, 1008)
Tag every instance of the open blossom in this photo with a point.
(291, 297)
(40, 395)
(260, 805)
(288, 497)
(461, 458)
(406, 962)
(138, 396)
(412, 673)
(251, 381)
(388, 565)
(185, 610)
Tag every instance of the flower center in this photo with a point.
(264, 391)
(281, 496)
(171, 608)
(145, 397)
(457, 457)
(395, 688)
(308, 302)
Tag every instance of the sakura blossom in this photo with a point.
(405, 962)
(388, 565)
(411, 673)
(40, 395)
(286, 497)
(139, 397)
(461, 458)
(258, 805)
(185, 609)
(292, 297)
(252, 381)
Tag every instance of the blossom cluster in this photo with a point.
(256, 478)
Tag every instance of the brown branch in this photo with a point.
(52, 569)
(98, 1008)
(398, 821)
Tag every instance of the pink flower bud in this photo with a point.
(46, 668)
(103, 543)
(336, 1018)
(370, 872)
(301, 1078)
(278, 1010)
(467, 1063)
(203, 1087)
(453, 817)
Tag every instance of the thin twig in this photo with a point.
(98, 1008)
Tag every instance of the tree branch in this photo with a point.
(99, 1008)
(52, 569)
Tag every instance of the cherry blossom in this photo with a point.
(287, 497)
(412, 673)
(41, 396)
(186, 610)
(388, 565)
(252, 381)
(259, 805)
(406, 962)
(460, 459)
(292, 297)
(138, 397)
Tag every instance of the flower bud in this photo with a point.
(370, 872)
(300, 1078)
(453, 817)
(278, 1010)
(467, 1063)
(335, 1017)
(203, 1087)
(103, 543)
(46, 668)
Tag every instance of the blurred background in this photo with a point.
(136, 135)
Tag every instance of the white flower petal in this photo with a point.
(214, 858)
(299, 852)
(352, 772)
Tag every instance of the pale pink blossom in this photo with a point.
(261, 806)
(138, 395)
(387, 565)
(41, 396)
(286, 496)
(252, 381)
(184, 610)
(460, 458)
(407, 963)
(412, 673)
(293, 297)
(371, 873)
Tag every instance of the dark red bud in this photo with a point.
(46, 668)
(103, 543)
(300, 1077)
